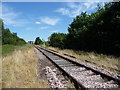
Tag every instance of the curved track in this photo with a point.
(82, 75)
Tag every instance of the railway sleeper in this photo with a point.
(59, 60)
(62, 63)
(66, 65)
(87, 78)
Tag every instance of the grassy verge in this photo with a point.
(19, 69)
(8, 49)
(99, 59)
(0, 50)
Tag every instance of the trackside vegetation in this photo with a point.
(38, 41)
(57, 40)
(10, 38)
(9, 41)
(98, 32)
(20, 69)
(9, 49)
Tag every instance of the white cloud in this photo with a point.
(74, 9)
(10, 17)
(50, 21)
(64, 11)
(37, 22)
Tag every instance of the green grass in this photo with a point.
(8, 49)
(0, 50)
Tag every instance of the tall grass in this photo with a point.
(0, 50)
(8, 49)
(19, 70)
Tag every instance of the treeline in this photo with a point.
(38, 41)
(10, 38)
(57, 40)
(99, 32)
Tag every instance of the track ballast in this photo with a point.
(82, 76)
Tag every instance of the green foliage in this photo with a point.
(38, 41)
(8, 49)
(57, 40)
(96, 32)
(46, 43)
(1, 27)
(10, 38)
(99, 32)
(0, 50)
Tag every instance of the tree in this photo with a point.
(38, 41)
(98, 32)
(57, 40)
(8, 37)
(1, 27)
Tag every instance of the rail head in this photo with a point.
(72, 78)
(96, 69)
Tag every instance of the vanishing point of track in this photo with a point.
(83, 76)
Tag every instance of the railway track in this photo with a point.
(83, 76)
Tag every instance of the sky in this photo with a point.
(40, 19)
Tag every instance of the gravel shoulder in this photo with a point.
(42, 63)
(48, 72)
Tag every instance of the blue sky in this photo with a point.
(39, 19)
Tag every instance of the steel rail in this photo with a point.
(76, 82)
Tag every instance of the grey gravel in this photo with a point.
(89, 79)
(54, 82)
(86, 77)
